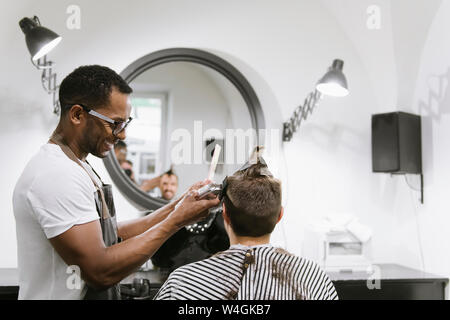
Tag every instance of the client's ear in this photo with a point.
(281, 214)
(224, 214)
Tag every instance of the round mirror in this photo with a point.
(184, 103)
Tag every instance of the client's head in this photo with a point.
(252, 204)
(168, 184)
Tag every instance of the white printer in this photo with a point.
(338, 243)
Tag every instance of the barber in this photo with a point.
(65, 216)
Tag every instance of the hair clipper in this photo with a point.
(212, 188)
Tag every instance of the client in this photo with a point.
(251, 269)
(164, 186)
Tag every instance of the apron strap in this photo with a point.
(95, 172)
(58, 140)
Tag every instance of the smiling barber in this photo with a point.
(65, 214)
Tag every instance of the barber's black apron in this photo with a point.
(107, 213)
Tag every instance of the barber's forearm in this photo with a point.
(132, 228)
(124, 258)
(148, 185)
(128, 229)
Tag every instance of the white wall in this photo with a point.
(431, 99)
(282, 49)
(406, 62)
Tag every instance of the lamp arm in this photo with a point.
(48, 80)
(300, 113)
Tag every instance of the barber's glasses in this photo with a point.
(116, 126)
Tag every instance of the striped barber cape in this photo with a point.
(259, 272)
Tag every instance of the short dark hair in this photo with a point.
(253, 201)
(170, 172)
(90, 85)
(120, 145)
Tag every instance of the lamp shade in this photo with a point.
(334, 83)
(40, 40)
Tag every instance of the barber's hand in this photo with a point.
(198, 185)
(190, 209)
(195, 186)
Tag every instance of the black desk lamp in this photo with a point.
(40, 41)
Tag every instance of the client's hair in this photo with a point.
(170, 173)
(253, 201)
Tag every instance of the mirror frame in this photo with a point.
(129, 190)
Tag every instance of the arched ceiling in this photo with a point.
(391, 54)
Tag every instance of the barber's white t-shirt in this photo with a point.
(52, 195)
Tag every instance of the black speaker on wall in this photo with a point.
(396, 143)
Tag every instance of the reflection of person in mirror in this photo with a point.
(164, 186)
(120, 149)
(127, 167)
(64, 213)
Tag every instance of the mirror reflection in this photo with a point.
(181, 110)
